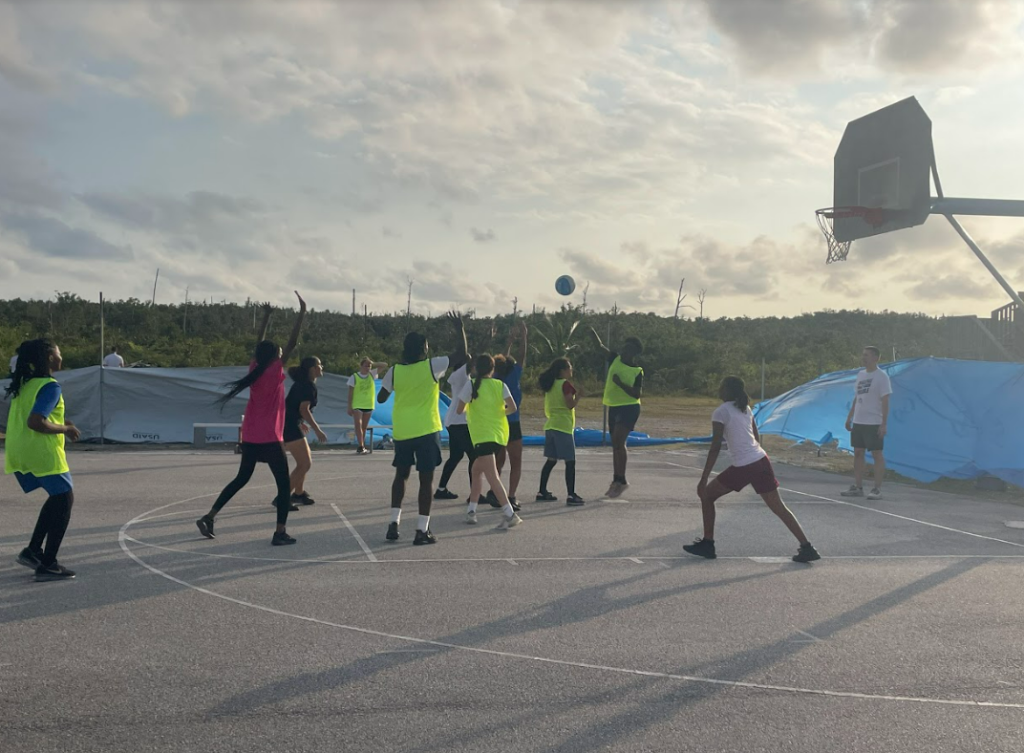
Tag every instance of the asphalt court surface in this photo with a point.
(583, 629)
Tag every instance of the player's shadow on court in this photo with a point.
(649, 706)
(579, 606)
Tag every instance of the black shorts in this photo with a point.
(292, 432)
(865, 437)
(263, 452)
(487, 448)
(515, 431)
(423, 452)
(623, 416)
(459, 441)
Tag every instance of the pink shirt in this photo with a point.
(264, 413)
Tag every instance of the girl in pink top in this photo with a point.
(263, 425)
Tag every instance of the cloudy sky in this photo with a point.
(483, 148)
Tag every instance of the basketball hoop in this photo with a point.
(837, 250)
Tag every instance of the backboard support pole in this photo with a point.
(984, 260)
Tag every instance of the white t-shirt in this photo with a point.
(352, 379)
(466, 393)
(113, 359)
(14, 362)
(438, 365)
(456, 380)
(739, 434)
(872, 386)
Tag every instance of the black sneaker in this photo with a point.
(546, 497)
(205, 526)
(515, 505)
(28, 558)
(806, 553)
(392, 534)
(701, 548)
(53, 572)
(303, 499)
(423, 538)
(445, 494)
(492, 500)
(281, 538)
(574, 500)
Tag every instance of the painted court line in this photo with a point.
(123, 538)
(880, 512)
(355, 533)
(814, 638)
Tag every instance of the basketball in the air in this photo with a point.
(565, 285)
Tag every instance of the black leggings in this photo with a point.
(570, 475)
(273, 455)
(52, 525)
(459, 446)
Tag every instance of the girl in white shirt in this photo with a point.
(734, 422)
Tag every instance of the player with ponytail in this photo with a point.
(298, 420)
(487, 402)
(34, 452)
(734, 422)
(262, 425)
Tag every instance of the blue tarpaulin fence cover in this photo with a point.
(947, 418)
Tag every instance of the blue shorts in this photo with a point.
(58, 483)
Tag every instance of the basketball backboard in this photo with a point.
(884, 162)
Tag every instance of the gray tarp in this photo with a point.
(160, 405)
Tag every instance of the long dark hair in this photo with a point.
(300, 373)
(33, 361)
(484, 367)
(265, 354)
(735, 390)
(547, 379)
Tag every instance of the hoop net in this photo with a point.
(837, 250)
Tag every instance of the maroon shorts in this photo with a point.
(760, 475)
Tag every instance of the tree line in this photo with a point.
(682, 356)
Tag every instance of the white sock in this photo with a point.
(396, 514)
(507, 509)
(471, 507)
(423, 523)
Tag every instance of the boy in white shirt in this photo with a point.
(868, 421)
(733, 422)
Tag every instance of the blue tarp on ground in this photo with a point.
(948, 418)
(593, 438)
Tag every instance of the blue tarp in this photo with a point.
(593, 437)
(947, 418)
(382, 413)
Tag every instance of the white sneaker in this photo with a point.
(853, 491)
(875, 493)
(512, 522)
(471, 518)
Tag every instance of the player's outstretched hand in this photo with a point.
(302, 303)
(456, 319)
